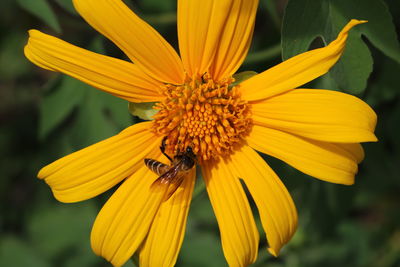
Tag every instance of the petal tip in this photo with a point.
(273, 252)
(62, 198)
(356, 21)
(32, 31)
(374, 138)
(41, 174)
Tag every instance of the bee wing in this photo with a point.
(172, 178)
(174, 186)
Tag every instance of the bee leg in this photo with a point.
(162, 148)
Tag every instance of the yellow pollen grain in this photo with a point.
(209, 116)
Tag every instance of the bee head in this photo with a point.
(189, 152)
(188, 158)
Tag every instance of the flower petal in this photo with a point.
(125, 219)
(235, 39)
(239, 234)
(326, 161)
(114, 76)
(95, 169)
(318, 114)
(165, 237)
(297, 70)
(355, 150)
(139, 41)
(277, 210)
(200, 23)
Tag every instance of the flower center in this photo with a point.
(206, 115)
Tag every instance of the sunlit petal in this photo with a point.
(200, 23)
(277, 210)
(95, 169)
(114, 76)
(331, 162)
(318, 114)
(235, 39)
(297, 70)
(140, 42)
(165, 237)
(238, 231)
(124, 221)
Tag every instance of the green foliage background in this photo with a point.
(44, 116)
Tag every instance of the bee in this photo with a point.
(174, 173)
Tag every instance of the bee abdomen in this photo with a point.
(157, 167)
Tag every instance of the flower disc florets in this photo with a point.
(209, 116)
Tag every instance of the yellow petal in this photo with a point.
(238, 231)
(139, 41)
(318, 114)
(277, 210)
(114, 76)
(165, 237)
(125, 219)
(355, 150)
(297, 70)
(95, 169)
(235, 39)
(326, 161)
(200, 23)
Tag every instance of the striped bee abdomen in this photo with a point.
(157, 167)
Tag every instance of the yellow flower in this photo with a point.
(316, 131)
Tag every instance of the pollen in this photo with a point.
(208, 116)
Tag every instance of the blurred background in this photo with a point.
(45, 115)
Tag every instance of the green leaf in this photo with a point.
(380, 29)
(17, 253)
(351, 72)
(67, 5)
(382, 88)
(59, 104)
(144, 111)
(57, 228)
(42, 10)
(92, 123)
(305, 20)
(204, 241)
(11, 56)
(118, 110)
(99, 115)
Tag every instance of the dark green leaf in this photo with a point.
(118, 110)
(99, 115)
(42, 10)
(56, 229)
(11, 55)
(92, 123)
(379, 29)
(306, 20)
(205, 242)
(303, 22)
(351, 72)
(383, 88)
(17, 253)
(59, 104)
(67, 5)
